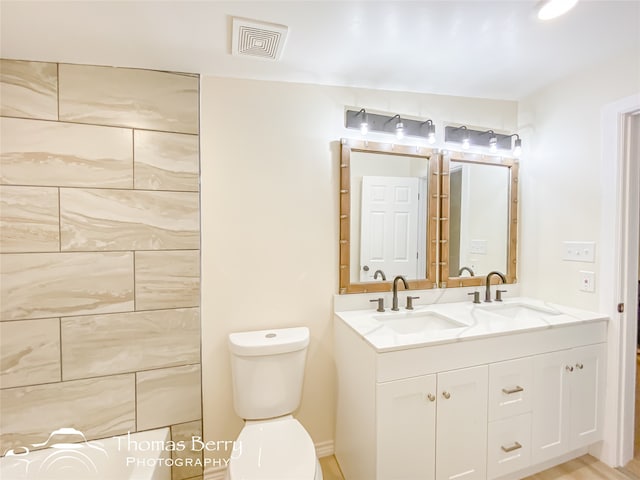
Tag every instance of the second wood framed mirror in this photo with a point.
(479, 218)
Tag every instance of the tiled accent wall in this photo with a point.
(99, 252)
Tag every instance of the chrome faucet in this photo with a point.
(395, 291)
(381, 273)
(487, 282)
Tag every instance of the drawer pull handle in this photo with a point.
(579, 366)
(510, 391)
(446, 395)
(431, 397)
(513, 447)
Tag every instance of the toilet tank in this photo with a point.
(267, 368)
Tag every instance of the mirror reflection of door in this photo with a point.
(390, 224)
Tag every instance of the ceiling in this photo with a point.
(492, 49)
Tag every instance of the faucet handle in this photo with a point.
(380, 304)
(499, 295)
(410, 302)
(476, 296)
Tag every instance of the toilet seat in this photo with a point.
(277, 449)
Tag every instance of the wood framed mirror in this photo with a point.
(479, 218)
(388, 215)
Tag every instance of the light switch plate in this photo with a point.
(587, 281)
(579, 251)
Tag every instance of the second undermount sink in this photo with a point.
(521, 311)
(417, 322)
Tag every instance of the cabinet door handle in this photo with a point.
(579, 366)
(446, 395)
(513, 447)
(569, 368)
(431, 397)
(516, 389)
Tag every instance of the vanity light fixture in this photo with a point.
(550, 9)
(399, 128)
(431, 131)
(393, 124)
(517, 145)
(364, 124)
(493, 141)
(468, 137)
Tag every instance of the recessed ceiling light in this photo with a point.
(554, 8)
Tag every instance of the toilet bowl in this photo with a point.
(278, 449)
(267, 368)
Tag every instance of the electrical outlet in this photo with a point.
(579, 251)
(587, 281)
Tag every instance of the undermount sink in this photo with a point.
(417, 322)
(521, 311)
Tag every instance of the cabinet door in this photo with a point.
(587, 394)
(461, 437)
(406, 423)
(550, 407)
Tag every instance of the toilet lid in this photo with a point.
(274, 450)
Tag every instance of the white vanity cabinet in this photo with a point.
(433, 426)
(483, 408)
(567, 401)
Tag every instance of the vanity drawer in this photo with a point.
(510, 388)
(508, 445)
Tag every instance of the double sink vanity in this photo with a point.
(430, 386)
(467, 391)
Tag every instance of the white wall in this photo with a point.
(560, 190)
(562, 198)
(269, 172)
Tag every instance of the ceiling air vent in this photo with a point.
(258, 39)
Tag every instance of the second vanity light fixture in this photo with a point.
(487, 138)
(373, 122)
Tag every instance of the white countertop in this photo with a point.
(475, 321)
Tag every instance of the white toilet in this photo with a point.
(267, 367)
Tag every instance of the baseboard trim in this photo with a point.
(323, 449)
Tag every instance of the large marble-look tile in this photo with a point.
(167, 279)
(29, 219)
(28, 89)
(168, 396)
(94, 219)
(185, 433)
(126, 97)
(29, 352)
(166, 161)
(34, 152)
(41, 285)
(127, 342)
(98, 407)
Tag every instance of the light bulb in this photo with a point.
(466, 143)
(364, 128)
(399, 131)
(517, 147)
(554, 8)
(431, 133)
(493, 144)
